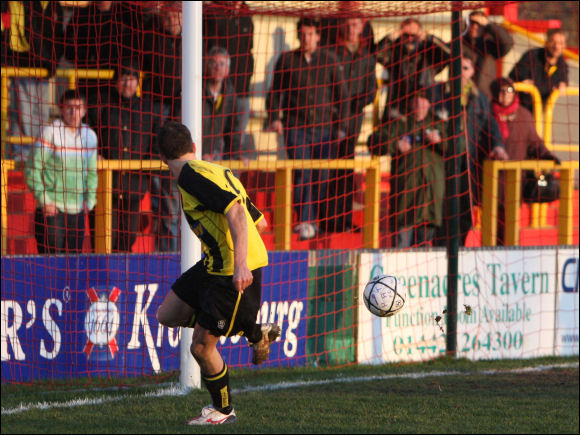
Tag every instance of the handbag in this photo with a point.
(541, 188)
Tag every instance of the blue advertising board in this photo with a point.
(284, 301)
(94, 315)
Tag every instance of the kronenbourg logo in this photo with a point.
(102, 321)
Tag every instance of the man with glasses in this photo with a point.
(412, 59)
(221, 131)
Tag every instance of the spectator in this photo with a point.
(516, 123)
(483, 141)
(411, 58)
(221, 132)
(487, 42)
(544, 68)
(126, 126)
(360, 77)
(100, 36)
(417, 145)
(163, 61)
(330, 28)
(309, 89)
(62, 173)
(163, 65)
(32, 37)
(518, 131)
(235, 33)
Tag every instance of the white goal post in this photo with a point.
(191, 99)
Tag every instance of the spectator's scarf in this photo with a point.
(504, 114)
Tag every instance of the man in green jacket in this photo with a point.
(417, 144)
(62, 173)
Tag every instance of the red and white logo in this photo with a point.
(102, 321)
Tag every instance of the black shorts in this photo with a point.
(221, 309)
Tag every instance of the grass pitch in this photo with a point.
(442, 396)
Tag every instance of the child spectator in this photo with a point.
(62, 173)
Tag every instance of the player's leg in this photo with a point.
(215, 375)
(180, 306)
(260, 337)
(174, 312)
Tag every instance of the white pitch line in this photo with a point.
(177, 390)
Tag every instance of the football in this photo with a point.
(384, 295)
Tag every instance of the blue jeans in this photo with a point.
(310, 186)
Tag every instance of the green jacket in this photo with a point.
(62, 168)
(418, 176)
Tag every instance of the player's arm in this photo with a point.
(262, 225)
(237, 222)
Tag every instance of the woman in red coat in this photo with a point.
(518, 131)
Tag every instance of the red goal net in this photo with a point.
(342, 122)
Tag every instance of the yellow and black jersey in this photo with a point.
(208, 191)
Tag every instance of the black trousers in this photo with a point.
(338, 215)
(62, 233)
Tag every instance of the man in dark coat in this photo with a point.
(412, 58)
(221, 131)
(544, 67)
(101, 36)
(360, 77)
(307, 103)
(234, 32)
(478, 138)
(126, 126)
(163, 59)
(487, 42)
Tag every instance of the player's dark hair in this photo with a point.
(174, 140)
(71, 94)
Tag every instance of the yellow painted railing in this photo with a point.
(536, 101)
(283, 195)
(549, 120)
(513, 171)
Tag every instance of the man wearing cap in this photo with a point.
(126, 125)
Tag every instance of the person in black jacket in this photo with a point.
(100, 36)
(360, 77)
(487, 42)
(308, 102)
(478, 139)
(235, 33)
(126, 126)
(412, 58)
(221, 132)
(162, 60)
(543, 67)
